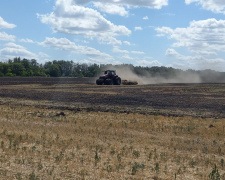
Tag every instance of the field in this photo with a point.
(70, 128)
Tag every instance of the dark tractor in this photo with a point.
(109, 78)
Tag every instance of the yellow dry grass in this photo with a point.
(48, 144)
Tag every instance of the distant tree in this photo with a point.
(33, 62)
(93, 70)
(18, 69)
(65, 67)
(5, 68)
(16, 60)
(26, 64)
(54, 70)
(78, 70)
(10, 61)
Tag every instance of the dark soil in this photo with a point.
(205, 100)
(44, 80)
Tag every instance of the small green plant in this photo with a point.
(112, 152)
(59, 157)
(40, 166)
(119, 157)
(214, 175)
(219, 150)
(149, 156)
(2, 144)
(20, 138)
(119, 166)
(155, 154)
(33, 148)
(18, 176)
(97, 157)
(192, 163)
(82, 159)
(137, 166)
(156, 168)
(136, 154)
(205, 149)
(222, 162)
(32, 176)
(134, 168)
(83, 173)
(109, 168)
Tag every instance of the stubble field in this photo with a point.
(69, 128)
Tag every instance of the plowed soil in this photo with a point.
(204, 100)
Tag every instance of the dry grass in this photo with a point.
(47, 144)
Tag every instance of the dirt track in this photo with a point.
(205, 100)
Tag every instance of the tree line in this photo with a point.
(25, 67)
(61, 68)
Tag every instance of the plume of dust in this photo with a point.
(184, 77)
(126, 73)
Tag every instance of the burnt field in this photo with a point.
(203, 100)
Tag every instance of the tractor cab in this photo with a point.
(110, 72)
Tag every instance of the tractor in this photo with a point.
(109, 78)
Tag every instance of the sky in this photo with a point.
(183, 34)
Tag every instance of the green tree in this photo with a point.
(16, 60)
(5, 68)
(18, 69)
(54, 70)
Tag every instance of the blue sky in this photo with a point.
(185, 34)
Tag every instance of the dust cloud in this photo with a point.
(179, 78)
(126, 73)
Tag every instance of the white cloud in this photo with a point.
(147, 63)
(109, 40)
(168, 14)
(137, 52)
(172, 53)
(67, 45)
(127, 57)
(97, 61)
(138, 28)
(199, 61)
(117, 50)
(217, 6)
(204, 40)
(27, 40)
(6, 37)
(111, 8)
(12, 50)
(200, 37)
(163, 31)
(127, 43)
(43, 55)
(4, 24)
(145, 18)
(73, 19)
(156, 4)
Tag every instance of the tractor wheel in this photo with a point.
(108, 82)
(117, 81)
(99, 82)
